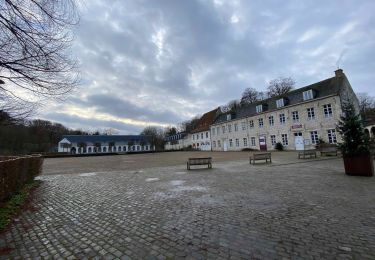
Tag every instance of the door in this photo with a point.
(225, 145)
(298, 141)
(262, 143)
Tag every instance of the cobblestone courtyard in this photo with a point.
(149, 207)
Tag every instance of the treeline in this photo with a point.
(31, 136)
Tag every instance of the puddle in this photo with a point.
(180, 173)
(152, 179)
(87, 174)
(188, 188)
(176, 182)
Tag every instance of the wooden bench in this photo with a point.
(305, 153)
(260, 156)
(199, 161)
(328, 150)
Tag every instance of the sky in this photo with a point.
(161, 62)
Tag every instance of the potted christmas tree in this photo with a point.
(355, 146)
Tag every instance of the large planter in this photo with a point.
(360, 165)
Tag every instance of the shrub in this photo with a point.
(279, 146)
(355, 142)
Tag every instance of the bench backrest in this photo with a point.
(261, 155)
(329, 149)
(200, 160)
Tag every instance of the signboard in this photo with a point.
(297, 126)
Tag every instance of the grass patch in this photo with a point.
(10, 208)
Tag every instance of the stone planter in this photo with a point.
(360, 165)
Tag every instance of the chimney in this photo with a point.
(339, 73)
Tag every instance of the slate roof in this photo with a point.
(105, 138)
(206, 120)
(177, 136)
(321, 89)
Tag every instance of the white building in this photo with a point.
(178, 141)
(90, 144)
(296, 119)
(201, 135)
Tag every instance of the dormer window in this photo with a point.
(308, 94)
(280, 103)
(259, 108)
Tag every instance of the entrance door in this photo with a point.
(298, 141)
(262, 143)
(225, 145)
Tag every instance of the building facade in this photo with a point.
(201, 134)
(178, 141)
(90, 144)
(297, 119)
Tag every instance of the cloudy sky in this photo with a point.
(162, 62)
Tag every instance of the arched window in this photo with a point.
(119, 149)
(114, 148)
(124, 148)
(104, 149)
(89, 150)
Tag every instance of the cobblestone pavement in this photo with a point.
(305, 210)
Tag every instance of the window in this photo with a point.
(197, 136)
(213, 131)
(217, 130)
(245, 142)
(223, 129)
(308, 94)
(218, 143)
(284, 139)
(259, 108)
(206, 134)
(230, 142)
(280, 103)
(310, 113)
(119, 148)
(193, 137)
(124, 148)
(243, 124)
(229, 117)
(253, 141)
(237, 142)
(251, 123)
(332, 136)
(235, 127)
(273, 139)
(282, 119)
(271, 121)
(314, 137)
(201, 135)
(229, 128)
(260, 120)
(214, 144)
(295, 116)
(327, 110)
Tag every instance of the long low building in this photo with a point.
(297, 119)
(89, 144)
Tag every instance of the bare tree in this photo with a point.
(35, 62)
(366, 102)
(280, 86)
(249, 96)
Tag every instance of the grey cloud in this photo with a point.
(124, 76)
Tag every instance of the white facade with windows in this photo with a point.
(310, 113)
(201, 140)
(94, 144)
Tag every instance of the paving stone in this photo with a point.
(304, 210)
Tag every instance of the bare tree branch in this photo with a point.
(35, 61)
